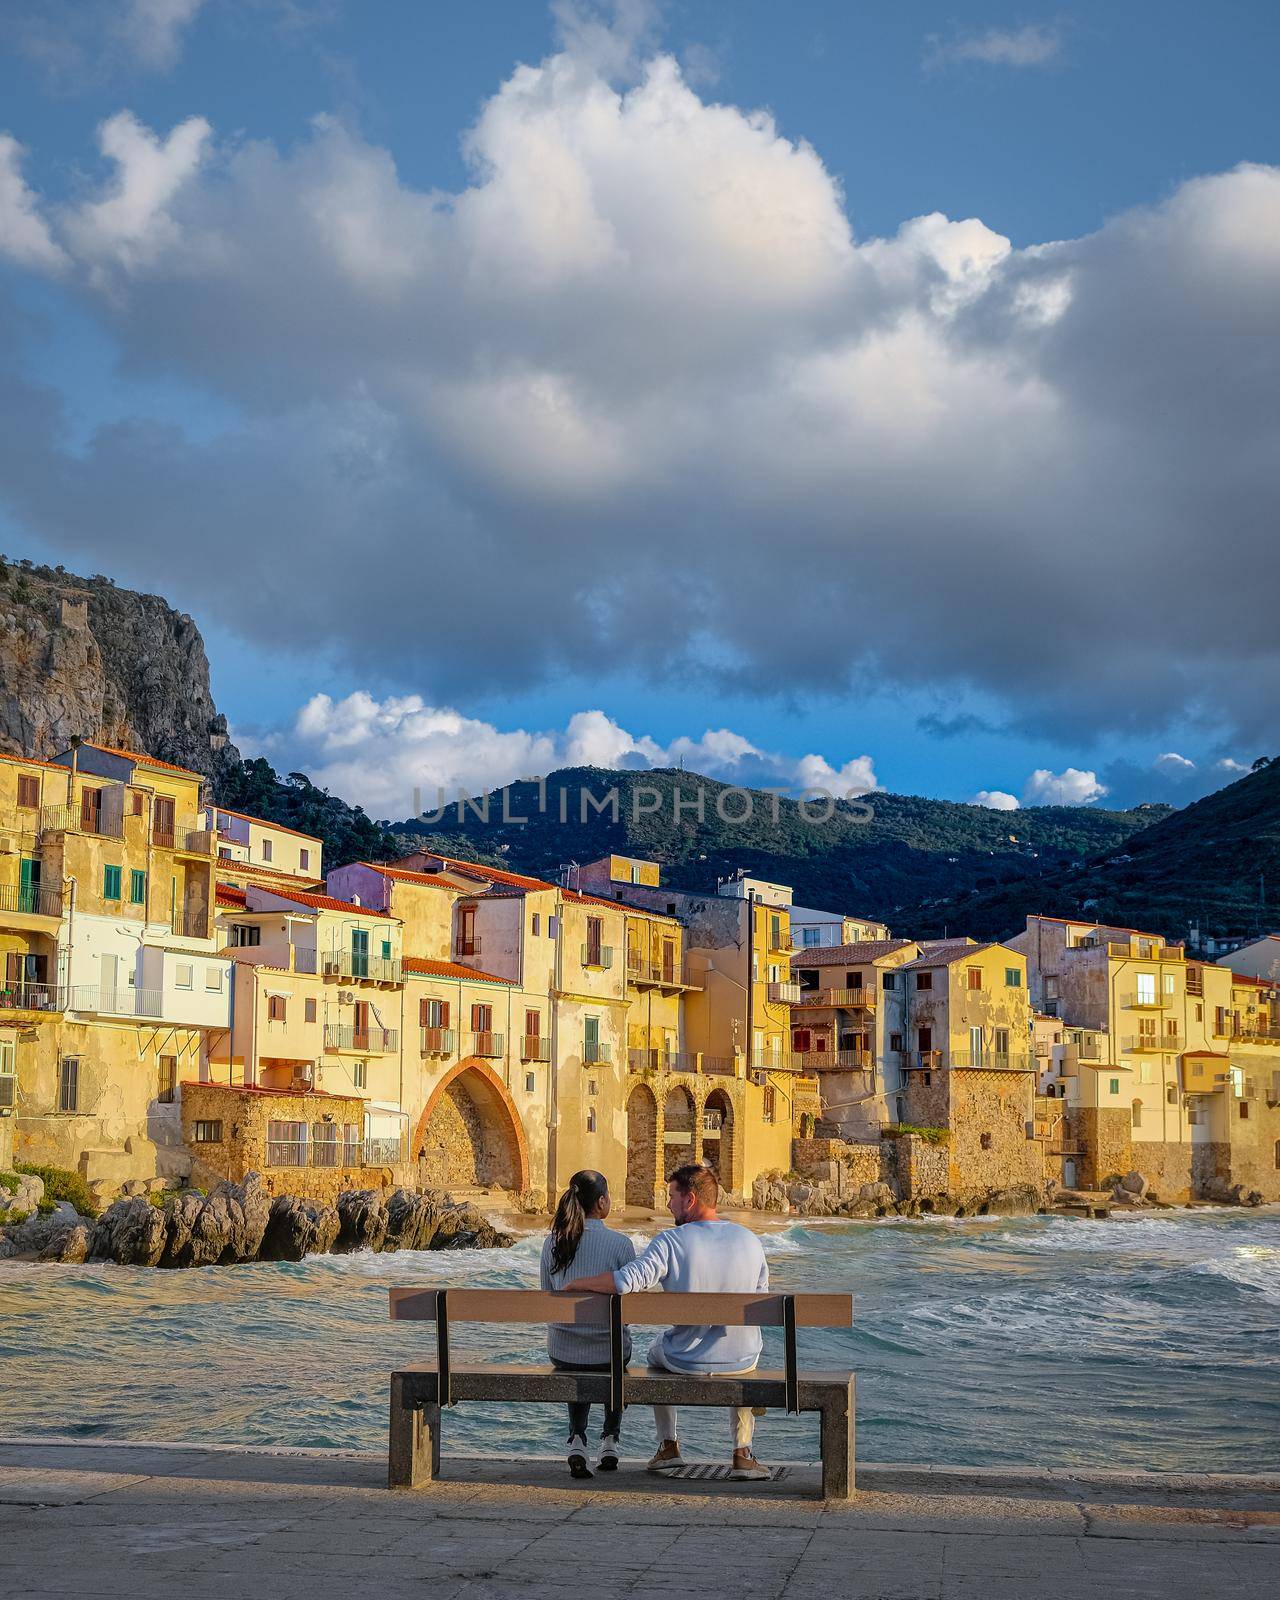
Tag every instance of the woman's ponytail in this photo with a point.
(576, 1204)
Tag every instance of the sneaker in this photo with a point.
(607, 1460)
(746, 1467)
(666, 1456)
(578, 1467)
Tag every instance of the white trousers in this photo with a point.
(742, 1418)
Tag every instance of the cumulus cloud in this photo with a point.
(1034, 45)
(24, 233)
(996, 799)
(1171, 778)
(1070, 787)
(636, 400)
(377, 752)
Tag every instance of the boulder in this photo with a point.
(71, 1245)
(131, 1233)
(49, 1238)
(133, 1186)
(362, 1219)
(412, 1220)
(880, 1193)
(462, 1227)
(297, 1228)
(180, 1215)
(1134, 1183)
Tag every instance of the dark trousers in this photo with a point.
(580, 1410)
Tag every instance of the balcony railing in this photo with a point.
(1153, 1043)
(660, 974)
(350, 968)
(466, 947)
(192, 924)
(1247, 1035)
(122, 1001)
(30, 902)
(834, 1060)
(836, 997)
(1146, 1002)
(195, 841)
(32, 997)
(485, 1043)
(775, 1061)
(533, 1047)
(370, 1041)
(382, 1152)
(719, 1066)
(438, 1041)
(597, 1052)
(599, 956)
(991, 1061)
(920, 1060)
(1150, 950)
(785, 994)
(73, 819)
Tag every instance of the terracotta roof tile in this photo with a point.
(31, 761)
(947, 953)
(449, 969)
(226, 811)
(142, 760)
(320, 902)
(832, 955)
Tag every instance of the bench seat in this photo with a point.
(414, 1458)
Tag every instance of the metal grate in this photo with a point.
(715, 1471)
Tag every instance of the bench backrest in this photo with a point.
(577, 1309)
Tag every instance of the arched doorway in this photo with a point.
(717, 1135)
(469, 1135)
(642, 1146)
(679, 1114)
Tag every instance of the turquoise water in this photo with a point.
(1141, 1341)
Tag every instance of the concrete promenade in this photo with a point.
(149, 1522)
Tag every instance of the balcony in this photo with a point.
(1154, 1043)
(865, 998)
(1146, 1002)
(30, 902)
(21, 996)
(775, 1061)
(347, 967)
(362, 1041)
(193, 924)
(484, 1043)
(834, 1060)
(123, 1001)
(920, 1060)
(382, 1152)
(659, 974)
(466, 947)
(533, 1047)
(437, 1041)
(991, 1061)
(597, 1052)
(599, 956)
(784, 994)
(1261, 1035)
(1146, 950)
(75, 819)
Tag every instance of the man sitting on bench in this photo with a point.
(700, 1254)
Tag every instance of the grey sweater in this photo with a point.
(599, 1250)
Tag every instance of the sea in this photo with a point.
(1144, 1341)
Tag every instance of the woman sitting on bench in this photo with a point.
(580, 1245)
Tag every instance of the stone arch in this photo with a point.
(642, 1146)
(680, 1128)
(718, 1144)
(470, 1133)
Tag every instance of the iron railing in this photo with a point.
(597, 1052)
(30, 901)
(22, 996)
(304, 960)
(991, 1061)
(485, 1043)
(533, 1047)
(1153, 1043)
(382, 1152)
(121, 1001)
(350, 968)
(286, 1152)
(836, 997)
(73, 819)
(784, 993)
(834, 1060)
(1138, 1001)
(438, 1041)
(372, 1041)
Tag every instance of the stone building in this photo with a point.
(303, 1142)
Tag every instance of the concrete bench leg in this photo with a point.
(413, 1457)
(837, 1448)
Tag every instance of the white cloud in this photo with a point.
(636, 400)
(1071, 787)
(377, 752)
(80, 42)
(996, 799)
(1034, 45)
(153, 29)
(1172, 765)
(24, 234)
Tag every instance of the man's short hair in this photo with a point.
(699, 1180)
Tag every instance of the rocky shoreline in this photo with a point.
(240, 1222)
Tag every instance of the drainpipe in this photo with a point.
(553, 1075)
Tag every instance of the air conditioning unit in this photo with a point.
(757, 1075)
(332, 969)
(346, 997)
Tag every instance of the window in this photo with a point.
(304, 860)
(810, 936)
(1136, 1113)
(208, 1133)
(224, 853)
(167, 1089)
(973, 976)
(183, 975)
(528, 1083)
(137, 887)
(775, 933)
(889, 980)
(853, 980)
(1244, 1111)
(551, 927)
(468, 944)
(213, 980)
(136, 802)
(1146, 988)
(275, 1008)
(266, 849)
(532, 1024)
(769, 1107)
(352, 1145)
(591, 1039)
(69, 1083)
(895, 1041)
(985, 1141)
(535, 924)
(28, 791)
(309, 1009)
(8, 1074)
(1000, 1041)
(1171, 1095)
(324, 1144)
(924, 980)
(244, 933)
(1115, 1085)
(286, 1144)
(111, 883)
(595, 941)
(1199, 1011)
(591, 1120)
(1013, 977)
(359, 1074)
(1170, 983)
(481, 1019)
(433, 1013)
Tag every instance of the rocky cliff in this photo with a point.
(81, 656)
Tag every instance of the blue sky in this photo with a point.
(1053, 125)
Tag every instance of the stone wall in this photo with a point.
(1254, 1152)
(922, 1169)
(846, 1166)
(989, 1149)
(1166, 1165)
(244, 1115)
(1106, 1145)
(464, 1148)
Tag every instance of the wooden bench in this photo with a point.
(418, 1394)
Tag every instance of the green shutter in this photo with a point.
(111, 883)
(137, 887)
